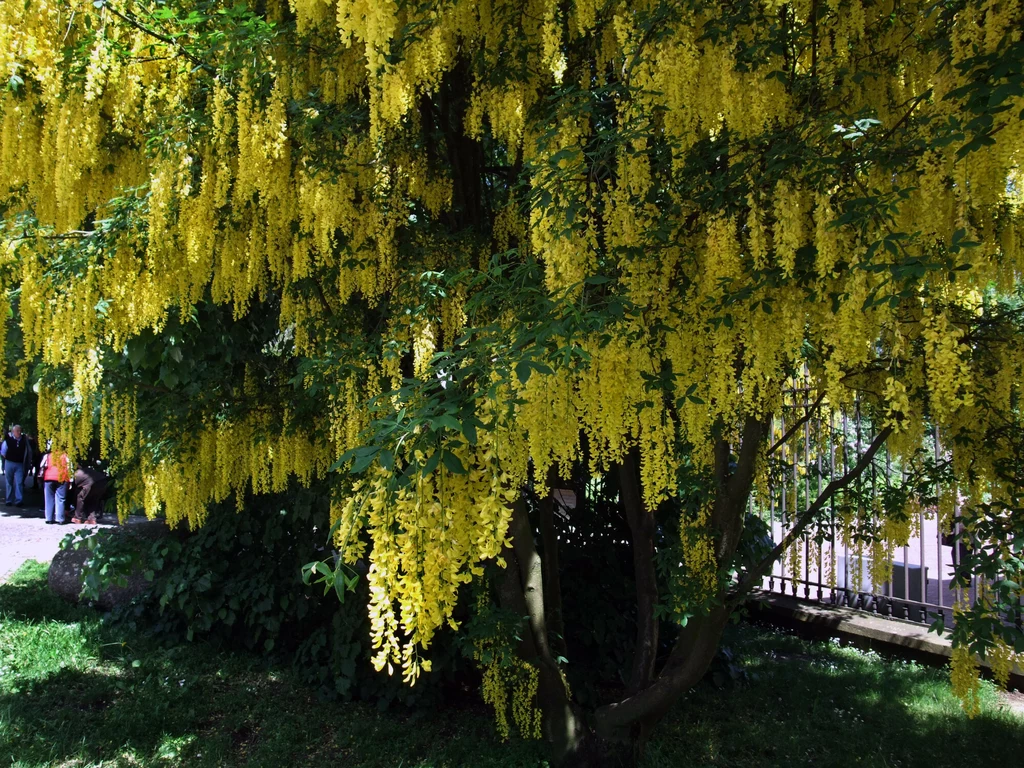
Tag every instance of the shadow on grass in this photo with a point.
(228, 717)
(25, 596)
(122, 701)
(125, 700)
(818, 704)
(91, 716)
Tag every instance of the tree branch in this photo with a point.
(796, 425)
(552, 579)
(323, 297)
(755, 574)
(734, 489)
(693, 652)
(698, 642)
(73, 234)
(641, 526)
(133, 21)
(906, 115)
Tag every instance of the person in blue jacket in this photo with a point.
(17, 454)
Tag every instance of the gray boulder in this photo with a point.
(67, 567)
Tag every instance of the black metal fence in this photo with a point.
(833, 561)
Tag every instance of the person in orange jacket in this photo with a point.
(55, 472)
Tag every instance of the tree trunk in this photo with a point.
(617, 731)
(642, 528)
(523, 591)
(552, 578)
(633, 718)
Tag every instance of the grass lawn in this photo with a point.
(73, 694)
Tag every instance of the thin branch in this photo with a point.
(757, 572)
(799, 423)
(75, 234)
(323, 297)
(814, 38)
(152, 388)
(133, 21)
(907, 114)
(71, 22)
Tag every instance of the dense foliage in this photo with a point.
(475, 252)
(237, 583)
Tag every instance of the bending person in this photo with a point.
(90, 485)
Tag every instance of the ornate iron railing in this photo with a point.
(830, 562)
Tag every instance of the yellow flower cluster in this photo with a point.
(699, 556)
(965, 674)
(949, 376)
(429, 539)
(897, 403)
(119, 433)
(890, 536)
(1002, 658)
(65, 421)
(219, 462)
(509, 674)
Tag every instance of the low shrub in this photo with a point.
(237, 582)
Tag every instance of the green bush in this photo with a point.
(237, 582)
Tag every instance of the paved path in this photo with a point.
(24, 534)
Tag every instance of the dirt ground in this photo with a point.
(24, 534)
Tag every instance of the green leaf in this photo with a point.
(136, 349)
(387, 459)
(431, 463)
(541, 368)
(364, 458)
(169, 376)
(452, 463)
(523, 371)
(448, 422)
(342, 460)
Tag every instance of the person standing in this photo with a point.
(15, 451)
(34, 458)
(54, 469)
(90, 485)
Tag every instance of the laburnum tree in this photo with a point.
(446, 258)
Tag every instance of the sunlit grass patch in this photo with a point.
(73, 694)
